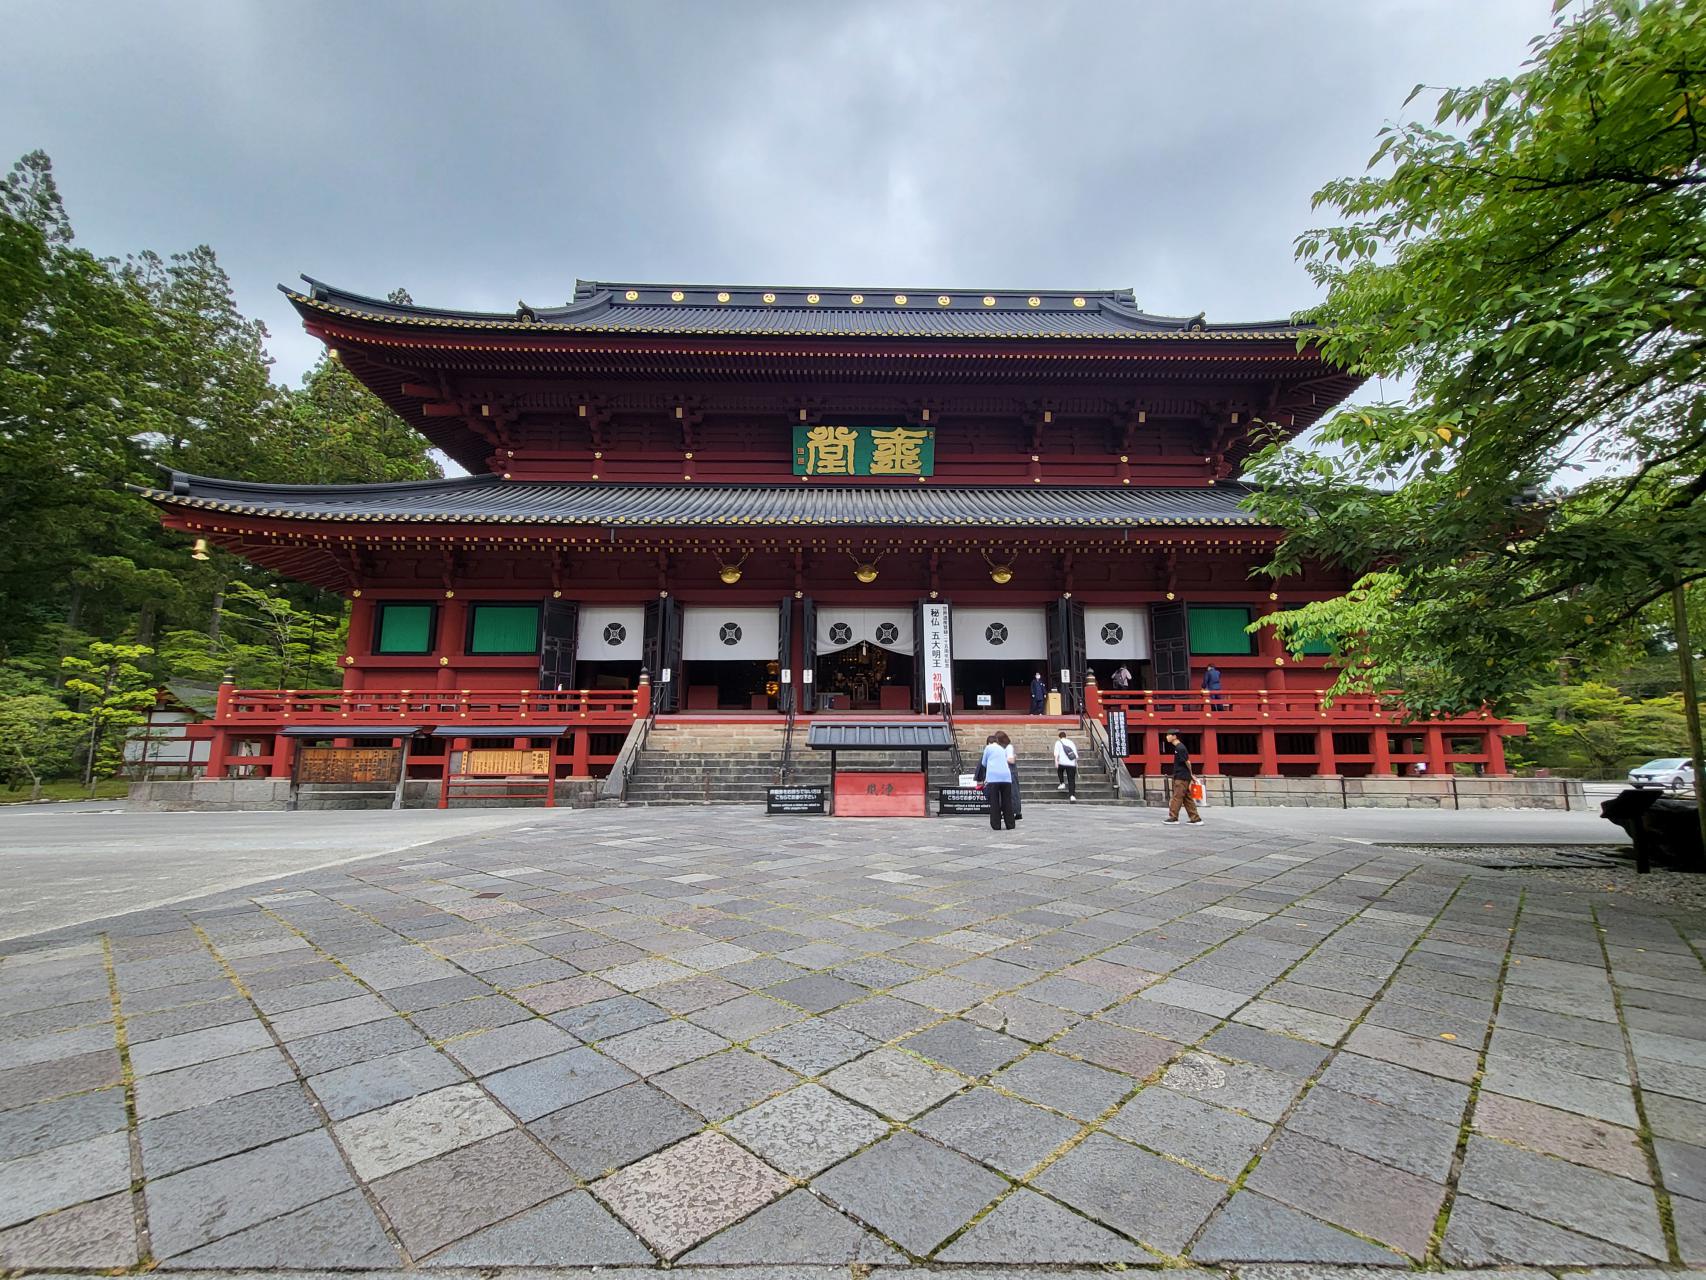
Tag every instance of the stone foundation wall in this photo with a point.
(239, 794)
(1381, 793)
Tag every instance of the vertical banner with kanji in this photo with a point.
(934, 647)
(864, 451)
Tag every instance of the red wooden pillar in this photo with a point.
(1210, 753)
(1092, 696)
(1438, 762)
(1270, 752)
(1272, 653)
(1380, 743)
(1495, 749)
(283, 753)
(360, 640)
(452, 627)
(580, 762)
(1327, 759)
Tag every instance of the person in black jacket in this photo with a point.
(1039, 694)
(1180, 771)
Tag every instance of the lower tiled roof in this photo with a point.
(490, 500)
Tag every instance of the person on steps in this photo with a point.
(1039, 694)
(1066, 766)
(1182, 779)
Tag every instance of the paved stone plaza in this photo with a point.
(620, 1038)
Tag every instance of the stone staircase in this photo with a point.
(686, 763)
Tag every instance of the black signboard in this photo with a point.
(959, 802)
(795, 800)
(1116, 734)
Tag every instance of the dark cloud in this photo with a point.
(478, 153)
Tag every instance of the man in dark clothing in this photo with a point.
(1039, 692)
(1211, 688)
(1180, 772)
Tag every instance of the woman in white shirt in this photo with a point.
(998, 785)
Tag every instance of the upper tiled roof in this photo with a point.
(490, 500)
(602, 307)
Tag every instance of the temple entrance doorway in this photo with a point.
(729, 658)
(1115, 638)
(864, 677)
(863, 658)
(608, 646)
(996, 652)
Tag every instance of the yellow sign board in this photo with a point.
(502, 762)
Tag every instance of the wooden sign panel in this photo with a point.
(379, 765)
(864, 451)
(502, 761)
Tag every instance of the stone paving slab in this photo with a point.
(769, 1051)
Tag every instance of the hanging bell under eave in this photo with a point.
(729, 573)
(199, 551)
(866, 573)
(1001, 575)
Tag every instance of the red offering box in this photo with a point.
(880, 795)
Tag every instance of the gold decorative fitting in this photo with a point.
(770, 297)
(349, 662)
(1273, 595)
(858, 299)
(722, 297)
(989, 299)
(1078, 302)
(729, 573)
(199, 551)
(1279, 662)
(813, 299)
(633, 295)
(677, 296)
(356, 594)
(444, 662)
(900, 299)
(449, 595)
(506, 475)
(1170, 595)
(943, 300)
(1033, 301)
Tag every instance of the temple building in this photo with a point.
(721, 502)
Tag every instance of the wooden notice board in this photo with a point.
(376, 765)
(497, 762)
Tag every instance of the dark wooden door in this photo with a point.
(1170, 646)
(661, 652)
(1067, 654)
(557, 646)
(808, 656)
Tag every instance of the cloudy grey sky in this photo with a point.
(481, 153)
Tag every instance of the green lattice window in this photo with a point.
(1318, 649)
(503, 628)
(1219, 629)
(403, 628)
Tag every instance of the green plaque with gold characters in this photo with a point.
(864, 451)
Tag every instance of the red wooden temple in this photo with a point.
(702, 501)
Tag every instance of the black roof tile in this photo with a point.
(710, 310)
(491, 500)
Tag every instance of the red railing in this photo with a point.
(1256, 707)
(431, 708)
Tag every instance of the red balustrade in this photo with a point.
(432, 708)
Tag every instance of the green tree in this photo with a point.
(344, 434)
(1594, 729)
(265, 640)
(112, 692)
(1530, 257)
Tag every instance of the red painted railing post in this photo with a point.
(1495, 749)
(1092, 697)
(643, 698)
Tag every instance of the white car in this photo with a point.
(1672, 775)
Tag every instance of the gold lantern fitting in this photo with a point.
(199, 551)
(729, 573)
(865, 570)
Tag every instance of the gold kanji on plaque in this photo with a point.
(897, 451)
(829, 451)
